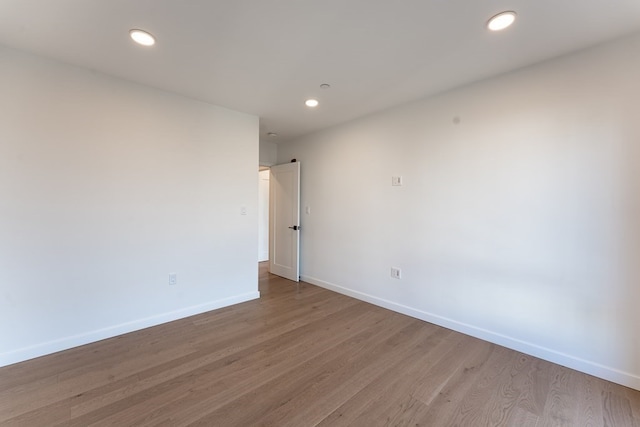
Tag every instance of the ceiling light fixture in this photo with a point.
(311, 103)
(325, 86)
(142, 37)
(501, 21)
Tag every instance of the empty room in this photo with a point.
(446, 213)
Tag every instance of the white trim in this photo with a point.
(66, 343)
(567, 360)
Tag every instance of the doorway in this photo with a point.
(279, 219)
(263, 214)
(284, 220)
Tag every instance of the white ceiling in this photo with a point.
(265, 57)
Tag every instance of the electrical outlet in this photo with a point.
(396, 273)
(173, 279)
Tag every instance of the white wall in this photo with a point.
(106, 187)
(268, 153)
(518, 218)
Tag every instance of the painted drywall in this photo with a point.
(268, 153)
(106, 187)
(517, 221)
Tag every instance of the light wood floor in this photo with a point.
(307, 358)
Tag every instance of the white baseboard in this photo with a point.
(66, 343)
(605, 372)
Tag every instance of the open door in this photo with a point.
(284, 221)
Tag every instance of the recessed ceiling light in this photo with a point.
(501, 21)
(325, 86)
(142, 37)
(272, 134)
(311, 102)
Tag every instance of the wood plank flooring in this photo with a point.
(304, 358)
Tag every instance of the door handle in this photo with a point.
(295, 227)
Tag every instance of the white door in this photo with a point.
(284, 220)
